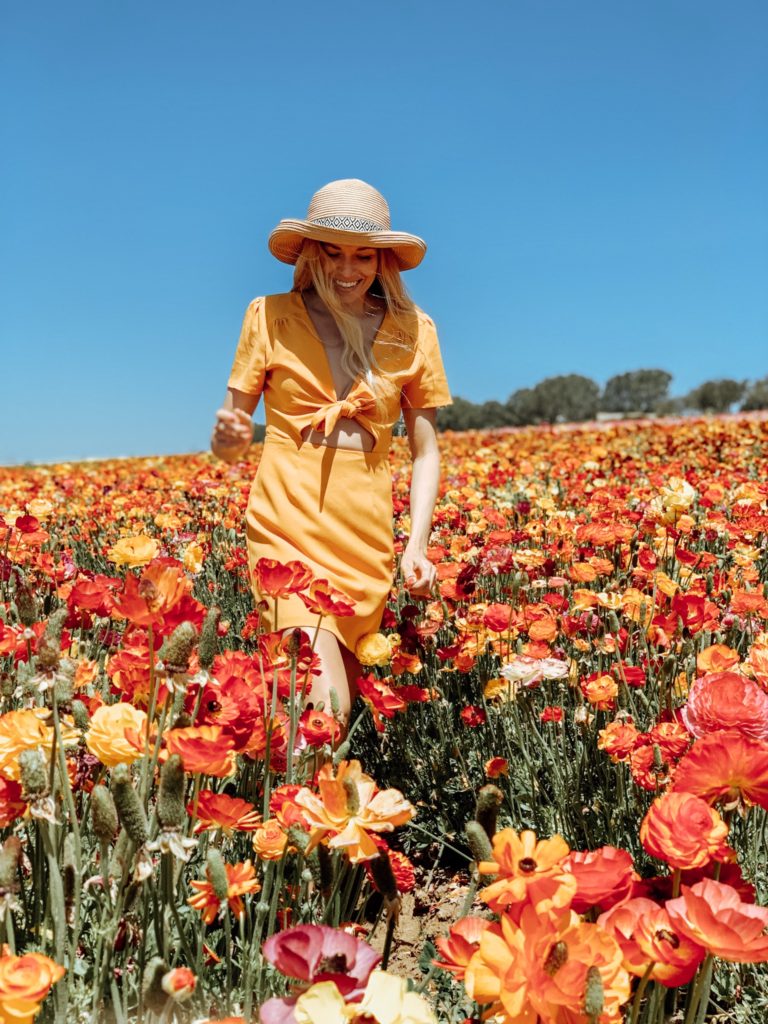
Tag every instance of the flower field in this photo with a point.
(574, 728)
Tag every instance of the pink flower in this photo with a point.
(313, 953)
(727, 700)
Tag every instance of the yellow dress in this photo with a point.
(328, 507)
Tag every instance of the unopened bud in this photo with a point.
(209, 640)
(179, 648)
(34, 774)
(154, 996)
(556, 958)
(80, 715)
(353, 796)
(10, 859)
(341, 752)
(334, 699)
(613, 622)
(26, 606)
(129, 808)
(594, 998)
(478, 841)
(171, 808)
(297, 837)
(103, 814)
(217, 874)
(383, 876)
(489, 800)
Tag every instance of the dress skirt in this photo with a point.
(332, 509)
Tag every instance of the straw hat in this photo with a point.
(347, 212)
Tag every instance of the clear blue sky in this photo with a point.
(592, 180)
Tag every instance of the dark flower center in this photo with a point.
(556, 957)
(527, 865)
(334, 964)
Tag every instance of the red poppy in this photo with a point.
(323, 599)
(472, 715)
(277, 579)
(380, 698)
(551, 713)
(12, 806)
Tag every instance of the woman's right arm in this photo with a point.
(233, 430)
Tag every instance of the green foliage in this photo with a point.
(639, 391)
(716, 395)
(756, 396)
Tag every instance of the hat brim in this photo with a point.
(286, 240)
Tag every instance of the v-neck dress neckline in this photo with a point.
(310, 324)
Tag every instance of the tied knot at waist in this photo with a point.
(360, 408)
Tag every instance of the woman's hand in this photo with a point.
(418, 572)
(232, 434)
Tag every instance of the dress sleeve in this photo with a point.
(428, 387)
(250, 364)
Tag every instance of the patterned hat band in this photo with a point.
(348, 223)
(347, 212)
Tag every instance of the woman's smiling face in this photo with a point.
(350, 269)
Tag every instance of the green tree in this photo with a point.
(523, 407)
(716, 395)
(568, 397)
(638, 391)
(756, 396)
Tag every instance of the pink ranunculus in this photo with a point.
(312, 953)
(727, 700)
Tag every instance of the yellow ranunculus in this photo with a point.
(388, 1001)
(19, 731)
(193, 558)
(106, 735)
(39, 508)
(373, 649)
(133, 551)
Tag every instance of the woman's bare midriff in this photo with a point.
(346, 434)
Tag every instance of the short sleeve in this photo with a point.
(250, 364)
(428, 388)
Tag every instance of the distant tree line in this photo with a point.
(572, 398)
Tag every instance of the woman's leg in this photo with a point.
(338, 670)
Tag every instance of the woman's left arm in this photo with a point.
(418, 572)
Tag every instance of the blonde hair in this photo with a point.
(356, 359)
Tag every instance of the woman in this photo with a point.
(337, 358)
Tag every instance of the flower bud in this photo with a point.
(26, 606)
(297, 837)
(103, 814)
(479, 844)
(217, 874)
(178, 648)
(594, 998)
(154, 996)
(129, 808)
(209, 640)
(353, 796)
(489, 800)
(34, 774)
(171, 808)
(334, 699)
(383, 876)
(80, 715)
(179, 983)
(341, 752)
(10, 859)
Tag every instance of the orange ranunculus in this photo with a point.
(380, 698)
(546, 967)
(618, 739)
(133, 551)
(145, 601)
(323, 599)
(645, 772)
(604, 877)
(727, 700)
(208, 749)
(684, 831)
(646, 935)
(278, 579)
(672, 738)
(282, 803)
(24, 982)
(457, 948)
(318, 728)
(716, 658)
(725, 766)
(529, 872)
(749, 603)
(229, 813)
(269, 840)
(106, 733)
(179, 983)
(601, 690)
(583, 572)
(241, 879)
(348, 807)
(713, 915)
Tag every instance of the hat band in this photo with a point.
(347, 223)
